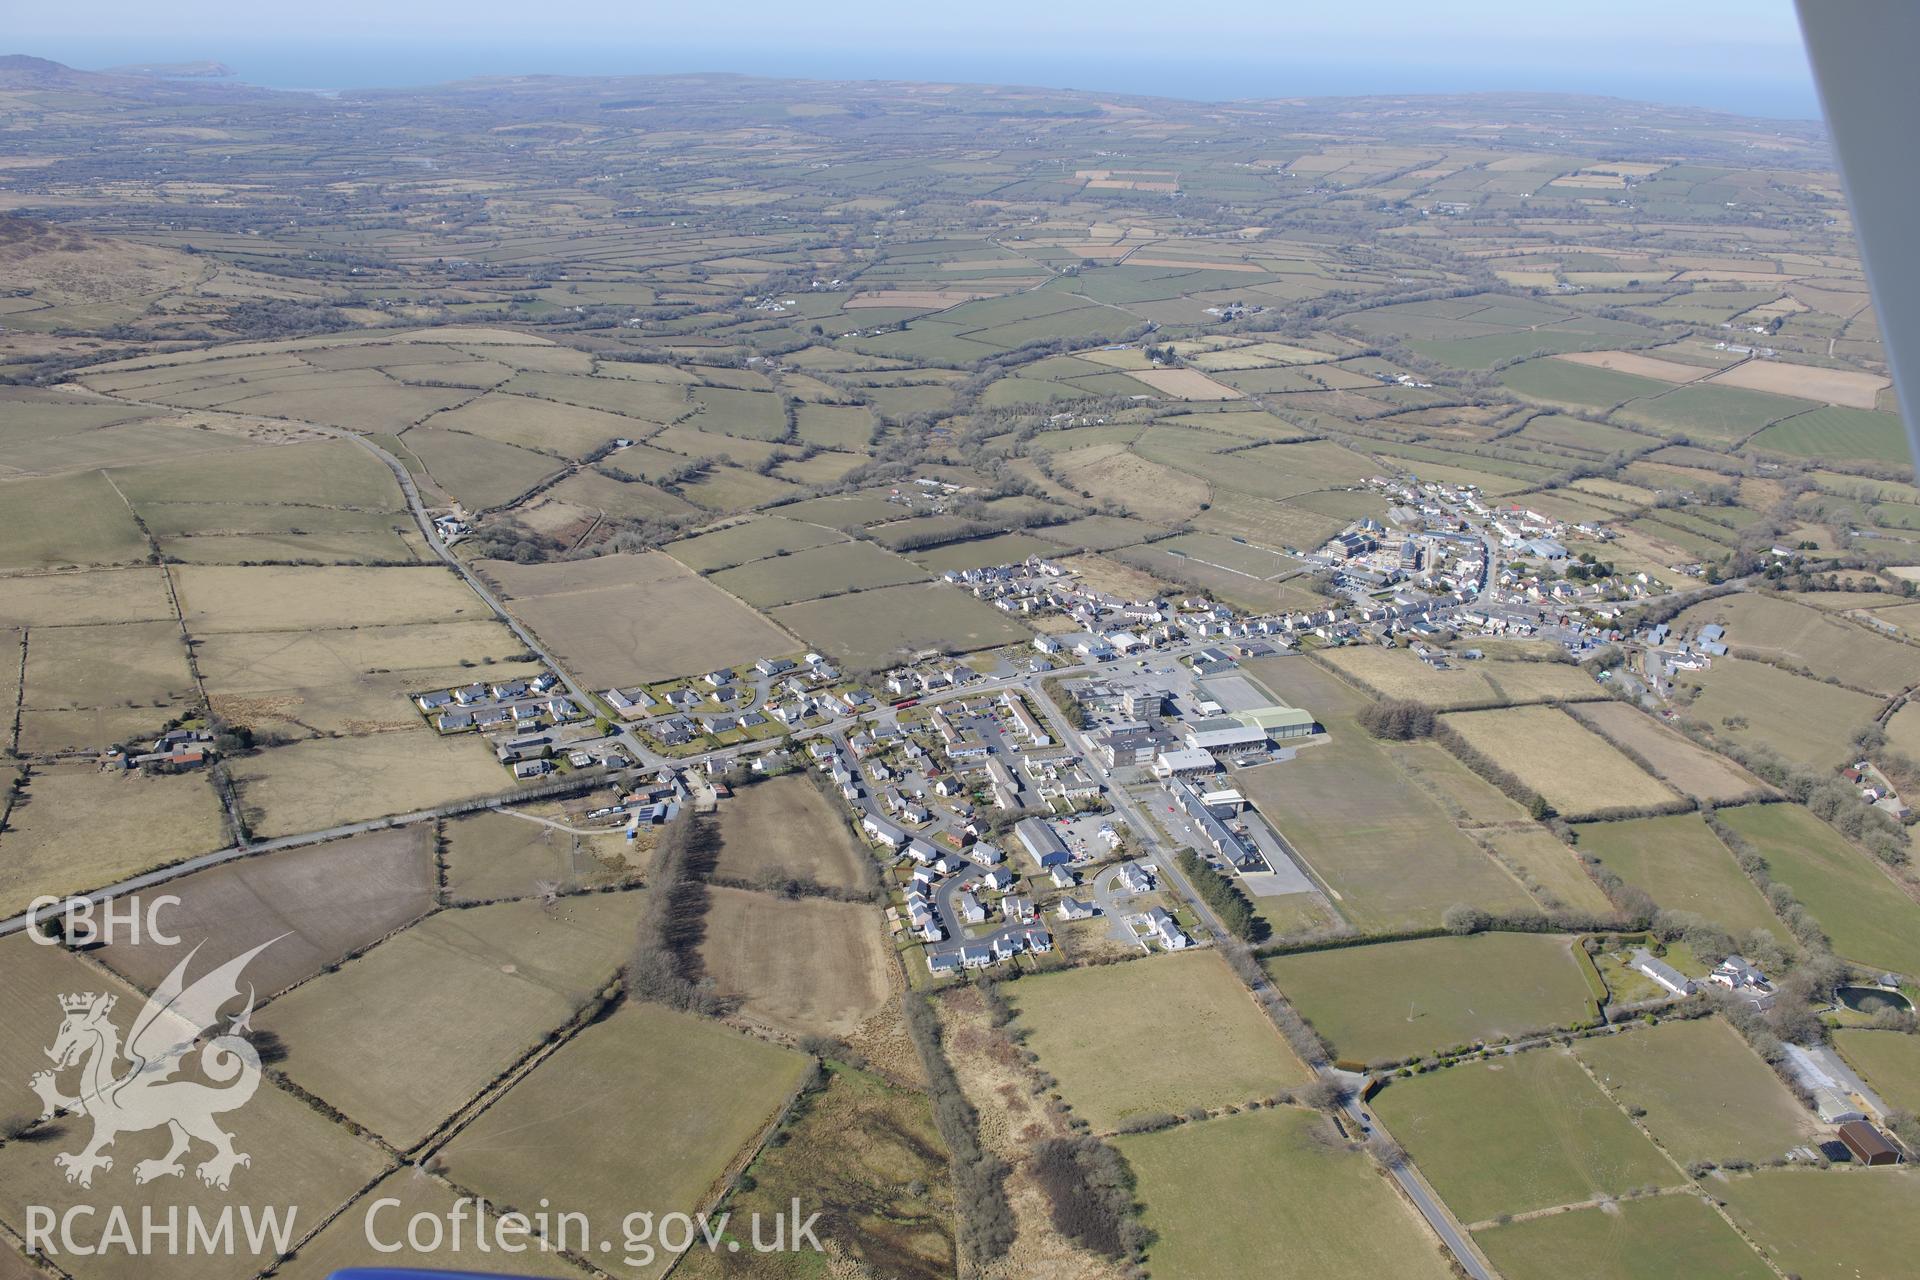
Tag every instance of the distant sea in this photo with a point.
(1776, 91)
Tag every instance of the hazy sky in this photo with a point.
(1741, 54)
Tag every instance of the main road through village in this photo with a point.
(649, 761)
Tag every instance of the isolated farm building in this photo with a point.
(1668, 977)
(1042, 843)
(1868, 1144)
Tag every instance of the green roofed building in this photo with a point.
(1279, 722)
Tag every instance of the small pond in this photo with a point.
(1872, 999)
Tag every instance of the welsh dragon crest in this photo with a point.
(130, 1089)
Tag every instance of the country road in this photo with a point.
(1451, 1234)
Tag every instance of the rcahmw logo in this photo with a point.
(126, 1087)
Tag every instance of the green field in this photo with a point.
(1398, 1000)
(1834, 432)
(1889, 1060)
(1804, 720)
(818, 571)
(1563, 382)
(1726, 414)
(1384, 845)
(1868, 917)
(1684, 866)
(1778, 629)
(871, 629)
(506, 976)
(747, 541)
(1560, 1140)
(1706, 1095)
(1153, 1035)
(1832, 1222)
(1273, 1194)
(1675, 1237)
(692, 1092)
(66, 520)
